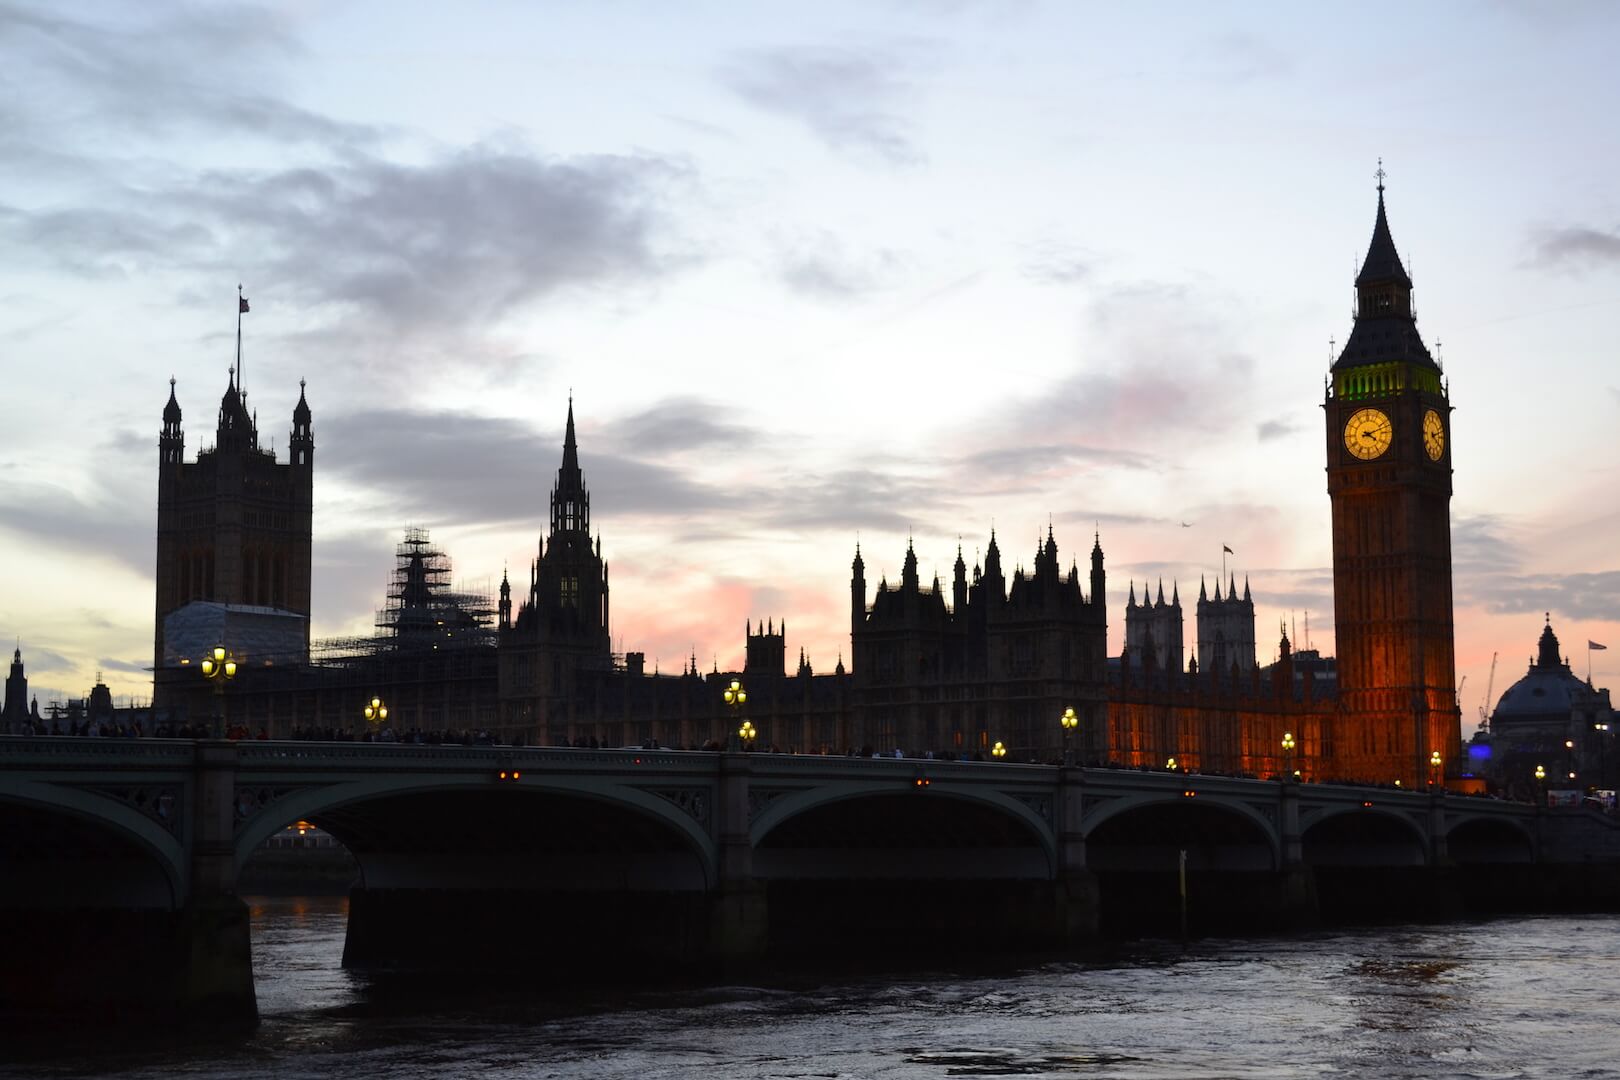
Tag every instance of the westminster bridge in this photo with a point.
(120, 858)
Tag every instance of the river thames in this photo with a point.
(1521, 997)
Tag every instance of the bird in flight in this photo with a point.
(1186, 524)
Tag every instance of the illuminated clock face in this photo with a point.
(1434, 435)
(1367, 434)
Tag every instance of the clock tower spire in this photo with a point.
(1389, 481)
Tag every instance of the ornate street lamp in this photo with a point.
(1541, 784)
(998, 751)
(735, 698)
(1288, 755)
(376, 712)
(1171, 764)
(1069, 722)
(747, 734)
(1434, 768)
(219, 668)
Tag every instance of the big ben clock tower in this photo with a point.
(1389, 480)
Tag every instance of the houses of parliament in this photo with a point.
(991, 658)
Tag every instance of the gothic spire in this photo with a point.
(570, 501)
(1383, 262)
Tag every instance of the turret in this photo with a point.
(1098, 582)
(506, 603)
(172, 441)
(301, 443)
(857, 590)
(236, 432)
(959, 585)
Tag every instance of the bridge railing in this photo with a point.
(61, 750)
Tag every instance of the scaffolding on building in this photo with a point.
(422, 615)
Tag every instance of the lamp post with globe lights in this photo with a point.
(1541, 785)
(1069, 722)
(1435, 762)
(375, 712)
(998, 751)
(735, 698)
(1288, 745)
(219, 667)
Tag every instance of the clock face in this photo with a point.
(1367, 433)
(1434, 435)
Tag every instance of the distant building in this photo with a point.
(1552, 718)
(1154, 628)
(14, 718)
(233, 534)
(1226, 629)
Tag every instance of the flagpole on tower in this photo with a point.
(241, 307)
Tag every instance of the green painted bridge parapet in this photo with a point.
(687, 856)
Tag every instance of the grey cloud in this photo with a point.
(844, 96)
(461, 468)
(442, 246)
(1058, 269)
(96, 242)
(679, 424)
(1479, 545)
(1489, 574)
(1581, 596)
(113, 523)
(824, 271)
(133, 667)
(1576, 246)
(193, 70)
(1276, 429)
(1014, 461)
(36, 659)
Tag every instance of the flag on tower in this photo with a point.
(1595, 645)
(1228, 550)
(242, 302)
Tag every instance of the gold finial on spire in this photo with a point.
(1380, 175)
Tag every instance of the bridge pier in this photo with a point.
(739, 923)
(1076, 891)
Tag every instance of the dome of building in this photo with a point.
(1548, 691)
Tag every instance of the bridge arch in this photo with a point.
(999, 815)
(1139, 832)
(1355, 835)
(155, 869)
(341, 808)
(1493, 839)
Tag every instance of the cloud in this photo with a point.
(98, 524)
(844, 96)
(1591, 596)
(679, 424)
(450, 467)
(1276, 429)
(1024, 460)
(133, 667)
(450, 244)
(1054, 268)
(1576, 246)
(199, 70)
(1488, 566)
(820, 268)
(36, 659)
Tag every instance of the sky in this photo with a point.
(813, 273)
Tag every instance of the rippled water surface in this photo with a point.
(1509, 998)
